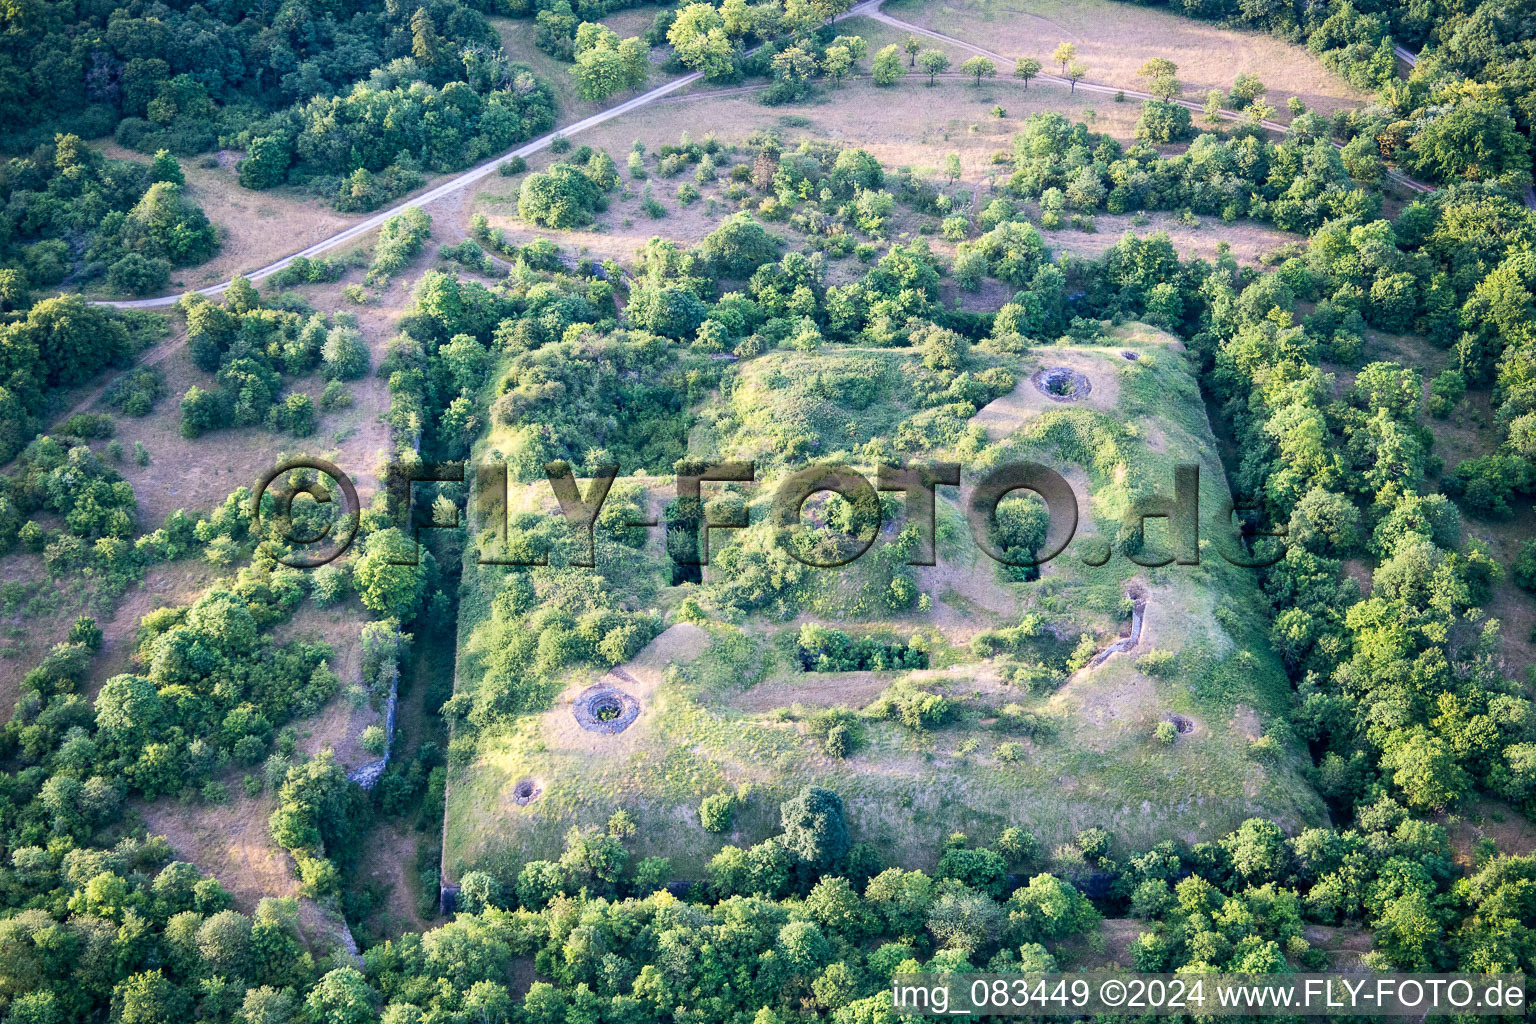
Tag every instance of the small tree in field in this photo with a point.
(1064, 55)
(1076, 72)
(1026, 68)
(912, 46)
(887, 67)
(979, 67)
(1158, 67)
(1213, 102)
(1166, 87)
(933, 63)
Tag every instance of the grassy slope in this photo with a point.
(710, 726)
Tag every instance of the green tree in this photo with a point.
(136, 274)
(1473, 141)
(699, 39)
(1425, 768)
(426, 45)
(887, 69)
(562, 197)
(385, 581)
(815, 832)
(344, 354)
(837, 63)
(979, 67)
(933, 63)
(150, 998)
(1049, 908)
(342, 996)
(165, 167)
(1064, 54)
(795, 66)
(1026, 68)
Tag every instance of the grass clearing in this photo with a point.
(905, 126)
(1114, 39)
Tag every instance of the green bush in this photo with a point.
(345, 355)
(561, 197)
(88, 425)
(373, 740)
(135, 274)
(135, 392)
(716, 812)
(336, 396)
(1523, 572)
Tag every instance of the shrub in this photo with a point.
(514, 166)
(201, 411)
(1017, 845)
(1524, 570)
(87, 425)
(716, 812)
(561, 197)
(328, 585)
(336, 396)
(1083, 653)
(307, 271)
(400, 240)
(1155, 662)
(1445, 391)
(1162, 121)
(1165, 732)
(345, 354)
(299, 415)
(135, 392)
(1093, 844)
(136, 274)
(559, 144)
(839, 742)
(373, 740)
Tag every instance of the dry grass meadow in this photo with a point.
(1114, 39)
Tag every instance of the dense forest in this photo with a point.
(353, 101)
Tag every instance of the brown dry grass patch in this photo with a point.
(255, 228)
(229, 842)
(1115, 39)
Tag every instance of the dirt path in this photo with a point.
(869, 8)
(461, 181)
